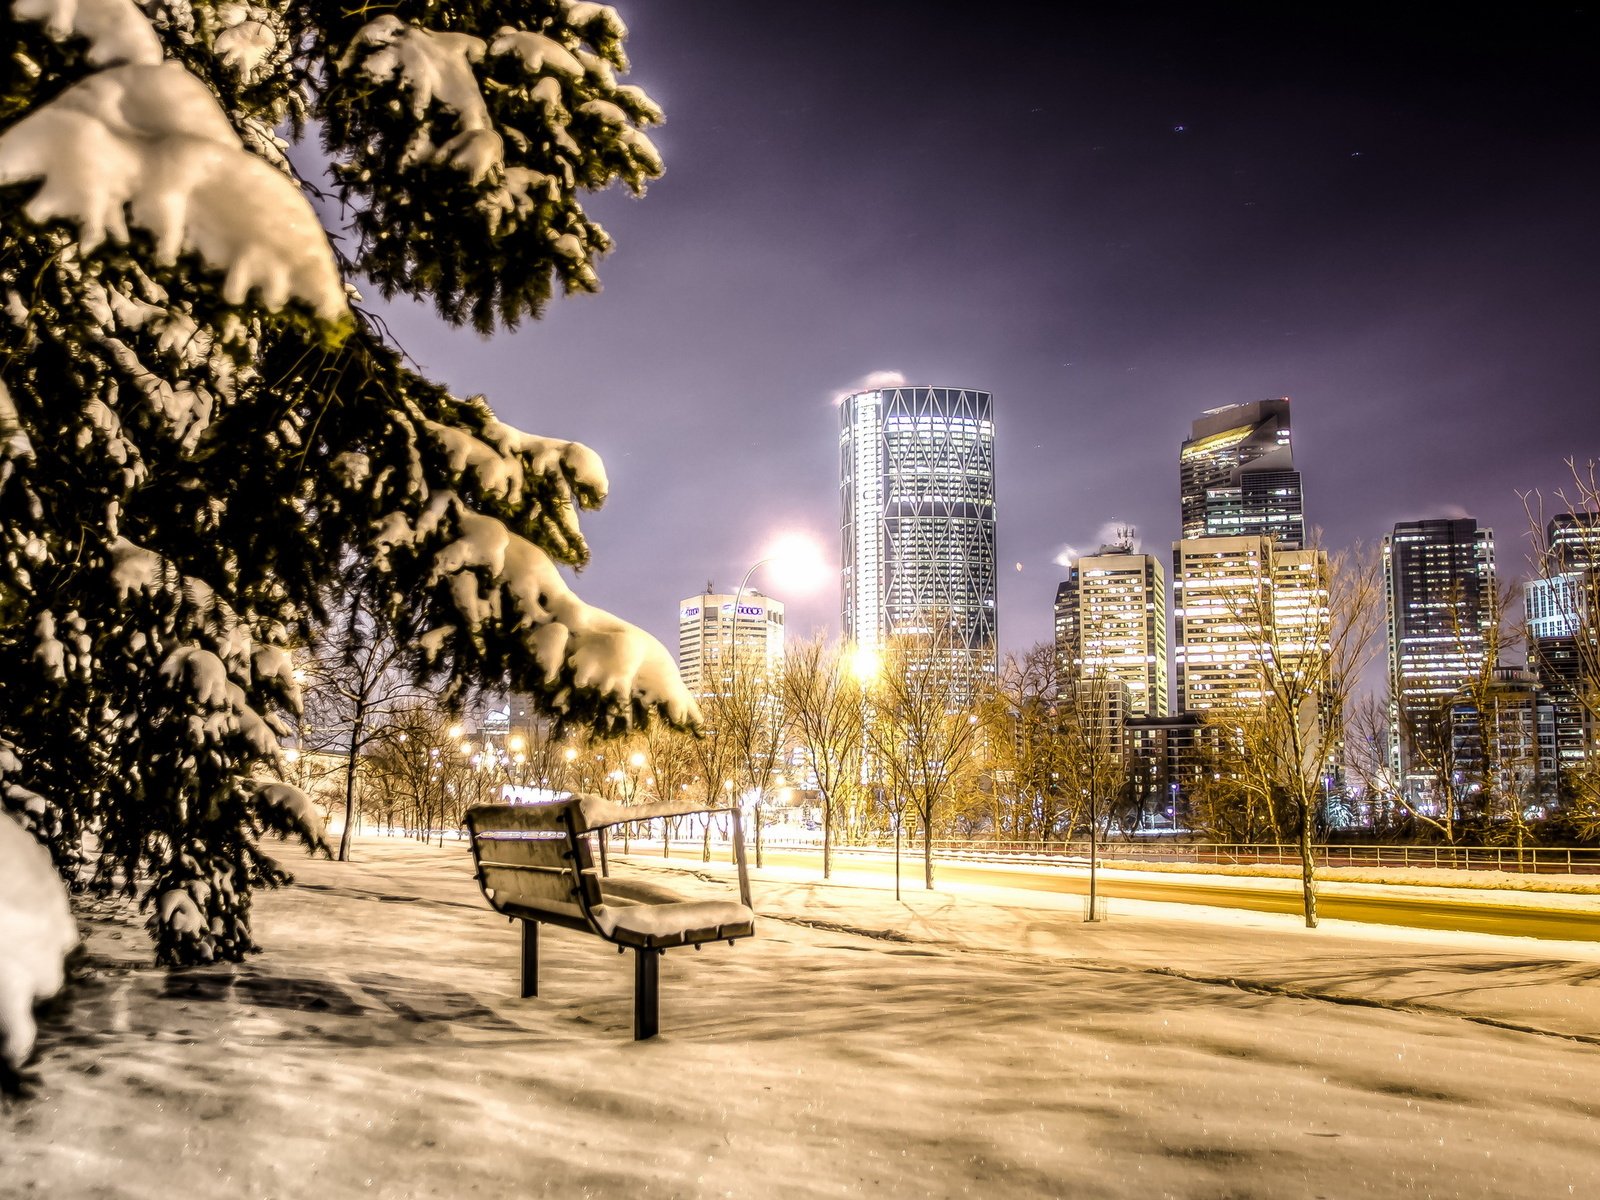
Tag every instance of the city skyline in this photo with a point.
(1398, 241)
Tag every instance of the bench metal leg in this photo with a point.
(530, 959)
(646, 994)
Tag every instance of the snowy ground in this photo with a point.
(969, 1043)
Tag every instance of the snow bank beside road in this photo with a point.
(36, 933)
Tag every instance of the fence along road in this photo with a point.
(1430, 912)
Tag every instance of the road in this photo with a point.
(1428, 912)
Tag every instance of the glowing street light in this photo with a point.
(864, 663)
(799, 565)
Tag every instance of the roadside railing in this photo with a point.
(1540, 860)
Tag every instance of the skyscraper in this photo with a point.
(713, 638)
(1243, 583)
(1573, 539)
(1235, 600)
(916, 484)
(1111, 621)
(1439, 577)
(1563, 620)
(1237, 478)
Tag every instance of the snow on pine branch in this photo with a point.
(15, 445)
(117, 32)
(433, 65)
(36, 934)
(288, 810)
(246, 40)
(549, 83)
(148, 143)
(540, 55)
(504, 458)
(497, 579)
(212, 678)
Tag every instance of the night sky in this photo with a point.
(1112, 222)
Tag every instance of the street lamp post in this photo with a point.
(731, 652)
(798, 553)
(864, 668)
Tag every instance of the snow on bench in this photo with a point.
(535, 864)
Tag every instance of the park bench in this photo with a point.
(536, 863)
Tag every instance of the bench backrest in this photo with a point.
(528, 855)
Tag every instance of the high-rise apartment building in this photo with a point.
(718, 632)
(1237, 478)
(1111, 622)
(1507, 753)
(1235, 600)
(916, 483)
(1439, 578)
(1562, 607)
(1573, 540)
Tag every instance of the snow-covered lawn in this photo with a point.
(981, 1043)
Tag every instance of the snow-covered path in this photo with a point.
(957, 1044)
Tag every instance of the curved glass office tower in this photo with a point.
(916, 484)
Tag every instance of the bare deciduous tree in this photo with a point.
(355, 682)
(745, 717)
(921, 732)
(1314, 621)
(1567, 657)
(670, 755)
(1024, 747)
(823, 707)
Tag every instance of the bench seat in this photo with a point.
(535, 864)
(681, 923)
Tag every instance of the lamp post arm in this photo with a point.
(744, 584)
(733, 668)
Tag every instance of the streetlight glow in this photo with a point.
(864, 663)
(797, 563)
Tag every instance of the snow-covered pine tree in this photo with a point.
(198, 428)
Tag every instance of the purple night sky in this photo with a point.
(1110, 222)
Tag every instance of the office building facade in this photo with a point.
(1236, 475)
(718, 633)
(1440, 585)
(1111, 622)
(917, 498)
(1507, 751)
(1235, 600)
(1562, 608)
